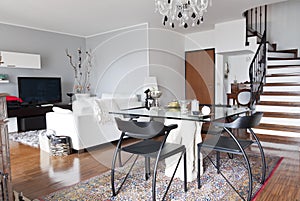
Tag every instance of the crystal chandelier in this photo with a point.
(186, 12)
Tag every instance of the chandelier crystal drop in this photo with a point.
(184, 13)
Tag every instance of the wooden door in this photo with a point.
(200, 76)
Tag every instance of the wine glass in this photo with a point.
(70, 94)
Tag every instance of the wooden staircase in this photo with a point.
(280, 100)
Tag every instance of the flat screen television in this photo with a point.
(40, 90)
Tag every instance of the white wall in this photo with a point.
(230, 36)
(236, 71)
(283, 26)
(200, 40)
(121, 60)
(167, 63)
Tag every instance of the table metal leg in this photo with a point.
(198, 164)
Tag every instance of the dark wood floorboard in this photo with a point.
(35, 173)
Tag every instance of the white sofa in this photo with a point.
(89, 124)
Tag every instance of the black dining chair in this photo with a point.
(232, 145)
(148, 147)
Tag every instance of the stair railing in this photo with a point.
(256, 25)
(256, 22)
(257, 71)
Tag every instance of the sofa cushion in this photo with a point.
(102, 109)
(84, 106)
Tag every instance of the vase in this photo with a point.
(81, 96)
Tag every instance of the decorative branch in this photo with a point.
(71, 62)
(82, 71)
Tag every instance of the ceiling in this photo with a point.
(88, 17)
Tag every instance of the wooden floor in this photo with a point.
(35, 173)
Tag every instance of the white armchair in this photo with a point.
(89, 124)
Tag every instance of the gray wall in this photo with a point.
(51, 46)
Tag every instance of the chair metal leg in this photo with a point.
(218, 161)
(117, 150)
(115, 192)
(147, 168)
(230, 155)
(183, 153)
(263, 159)
(120, 158)
(247, 163)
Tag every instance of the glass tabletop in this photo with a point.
(217, 112)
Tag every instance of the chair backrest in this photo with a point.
(140, 130)
(245, 121)
(243, 97)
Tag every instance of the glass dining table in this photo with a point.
(175, 116)
(218, 115)
(218, 112)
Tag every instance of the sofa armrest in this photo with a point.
(64, 125)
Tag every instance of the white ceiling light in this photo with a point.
(185, 12)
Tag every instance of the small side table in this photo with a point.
(231, 96)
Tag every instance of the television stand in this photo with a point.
(33, 117)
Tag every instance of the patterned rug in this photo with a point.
(214, 187)
(30, 138)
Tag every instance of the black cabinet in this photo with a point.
(33, 117)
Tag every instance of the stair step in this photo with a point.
(277, 127)
(271, 47)
(277, 103)
(281, 88)
(283, 109)
(284, 58)
(283, 66)
(284, 62)
(284, 70)
(284, 93)
(272, 54)
(293, 51)
(281, 84)
(279, 139)
(293, 79)
(283, 75)
(276, 133)
(281, 121)
(279, 98)
(282, 115)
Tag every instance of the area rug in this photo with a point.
(214, 187)
(30, 138)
